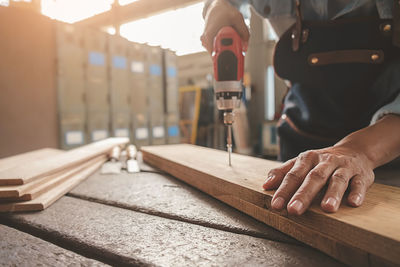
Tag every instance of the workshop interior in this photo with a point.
(124, 142)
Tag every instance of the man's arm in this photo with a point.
(350, 161)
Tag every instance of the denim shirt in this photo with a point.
(281, 14)
(317, 9)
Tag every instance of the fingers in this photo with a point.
(275, 176)
(358, 188)
(241, 28)
(300, 180)
(312, 184)
(336, 188)
(207, 42)
(292, 180)
(220, 14)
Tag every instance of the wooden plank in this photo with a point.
(32, 190)
(22, 249)
(18, 160)
(49, 197)
(372, 228)
(16, 191)
(37, 169)
(132, 238)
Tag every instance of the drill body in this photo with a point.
(228, 60)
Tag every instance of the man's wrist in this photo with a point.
(379, 143)
(355, 150)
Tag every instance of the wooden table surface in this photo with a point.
(149, 218)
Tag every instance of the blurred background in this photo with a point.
(74, 72)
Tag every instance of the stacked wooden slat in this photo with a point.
(35, 180)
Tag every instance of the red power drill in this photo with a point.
(228, 59)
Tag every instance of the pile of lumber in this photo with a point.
(365, 236)
(35, 180)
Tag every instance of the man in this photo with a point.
(341, 115)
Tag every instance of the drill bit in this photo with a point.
(229, 143)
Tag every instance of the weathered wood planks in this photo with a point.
(48, 197)
(31, 190)
(352, 235)
(34, 180)
(10, 162)
(36, 169)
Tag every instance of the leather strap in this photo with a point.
(285, 118)
(396, 23)
(297, 29)
(346, 56)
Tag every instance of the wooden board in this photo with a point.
(49, 197)
(29, 191)
(10, 162)
(372, 230)
(20, 160)
(36, 169)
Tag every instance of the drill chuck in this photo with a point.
(229, 117)
(228, 94)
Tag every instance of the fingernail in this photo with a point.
(278, 203)
(297, 205)
(331, 202)
(356, 199)
(269, 179)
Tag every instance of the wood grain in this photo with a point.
(18, 160)
(29, 191)
(372, 228)
(49, 197)
(15, 192)
(36, 169)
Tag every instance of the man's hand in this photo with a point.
(300, 179)
(350, 162)
(219, 14)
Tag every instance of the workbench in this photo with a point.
(149, 218)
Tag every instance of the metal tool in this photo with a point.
(113, 165)
(228, 59)
(132, 164)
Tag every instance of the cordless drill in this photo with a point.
(228, 59)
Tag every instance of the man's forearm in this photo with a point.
(380, 142)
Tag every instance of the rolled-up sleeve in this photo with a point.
(241, 5)
(238, 3)
(391, 108)
(266, 8)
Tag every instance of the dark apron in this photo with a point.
(342, 71)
